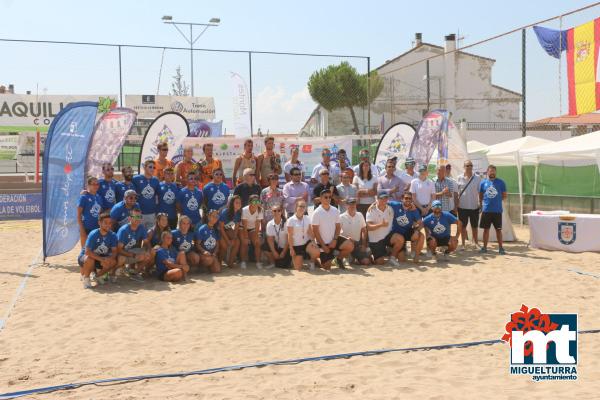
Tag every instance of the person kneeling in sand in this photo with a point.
(438, 227)
(171, 265)
(207, 242)
(379, 225)
(406, 226)
(99, 255)
(132, 248)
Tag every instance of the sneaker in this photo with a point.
(113, 278)
(311, 266)
(243, 265)
(483, 250)
(501, 251)
(119, 272)
(259, 265)
(128, 271)
(102, 279)
(87, 283)
(93, 277)
(394, 261)
(463, 247)
(270, 266)
(340, 263)
(136, 276)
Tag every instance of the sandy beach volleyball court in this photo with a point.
(59, 333)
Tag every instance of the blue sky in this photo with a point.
(380, 30)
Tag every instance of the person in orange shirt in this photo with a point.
(162, 161)
(208, 164)
(185, 166)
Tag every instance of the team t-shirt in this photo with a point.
(120, 189)
(439, 226)
(326, 220)
(230, 222)
(375, 215)
(403, 219)
(251, 218)
(107, 190)
(352, 225)
(130, 238)
(189, 201)
(163, 255)
(299, 229)
(492, 194)
(91, 205)
(183, 242)
(99, 244)
(278, 232)
(147, 190)
(216, 195)
(208, 237)
(167, 195)
(120, 212)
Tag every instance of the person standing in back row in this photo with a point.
(268, 163)
(208, 165)
(147, 187)
(162, 161)
(492, 191)
(246, 160)
(468, 206)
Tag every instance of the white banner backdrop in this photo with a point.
(150, 106)
(394, 143)
(228, 148)
(241, 106)
(33, 110)
(170, 127)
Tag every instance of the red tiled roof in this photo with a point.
(583, 119)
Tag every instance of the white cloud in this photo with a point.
(281, 111)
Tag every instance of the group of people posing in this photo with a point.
(173, 218)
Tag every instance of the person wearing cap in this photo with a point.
(327, 164)
(438, 225)
(446, 191)
(120, 212)
(294, 162)
(206, 239)
(268, 163)
(294, 191)
(364, 156)
(246, 160)
(147, 186)
(468, 208)
(423, 191)
(248, 187)
(252, 217)
(189, 201)
(208, 165)
(380, 217)
(325, 184)
(346, 190)
(366, 183)
(167, 196)
(326, 227)
(354, 227)
(126, 184)
(409, 174)
(162, 161)
(406, 228)
(389, 182)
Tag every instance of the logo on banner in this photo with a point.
(307, 148)
(542, 345)
(567, 232)
(177, 106)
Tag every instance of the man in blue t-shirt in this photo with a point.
(438, 228)
(107, 189)
(492, 191)
(406, 228)
(89, 207)
(207, 242)
(189, 200)
(126, 184)
(147, 186)
(120, 212)
(131, 246)
(99, 253)
(167, 196)
(216, 192)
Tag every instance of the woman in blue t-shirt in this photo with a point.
(171, 265)
(229, 228)
(183, 240)
(207, 242)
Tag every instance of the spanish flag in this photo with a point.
(582, 67)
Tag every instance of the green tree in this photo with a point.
(340, 86)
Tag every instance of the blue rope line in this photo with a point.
(584, 273)
(293, 361)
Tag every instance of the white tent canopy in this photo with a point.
(474, 146)
(578, 148)
(507, 153)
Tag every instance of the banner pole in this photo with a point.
(37, 155)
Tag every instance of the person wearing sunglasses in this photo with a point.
(276, 246)
(406, 228)
(409, 174)
(107, 187)
(294, 191)
(89, 207)
(270, 197)
(189, 200)
(247, 188)
(167, 196)
(268, 163)
(208, 165)
(468, 207)
(252, 217)
(229, 226)
(390, 183)
(162, 162)
(294, 162)
(132, 248)
(326, 227)
(147, 187)
(327, 164)
(126, 184)
(300, 237)
(325, 184)
(246, 160)
(207, 242)
(120, 212)
(215, 193)
(185, 166)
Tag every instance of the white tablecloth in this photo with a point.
(573, 233)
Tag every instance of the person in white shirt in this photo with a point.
(468, 206)
(379, 224)
(346, 190)
(293, 163)
(252, 217)
(354, 227)
(367, 187)
(327, 164)
(408, 174)
(423, 191)
(276, 244)
(363, 155)
(389, 182)
(326, 228)
(300, 237)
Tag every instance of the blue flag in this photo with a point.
(553, 41)
(65, 155)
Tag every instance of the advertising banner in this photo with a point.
(203, 128)
(394, 143)
(431, 135)
(8, 147)
(108, 138)
(66, 152)
(149, 106)
(20, 206)
(241, 106)
(170, 127)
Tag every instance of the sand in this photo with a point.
(60, 333)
